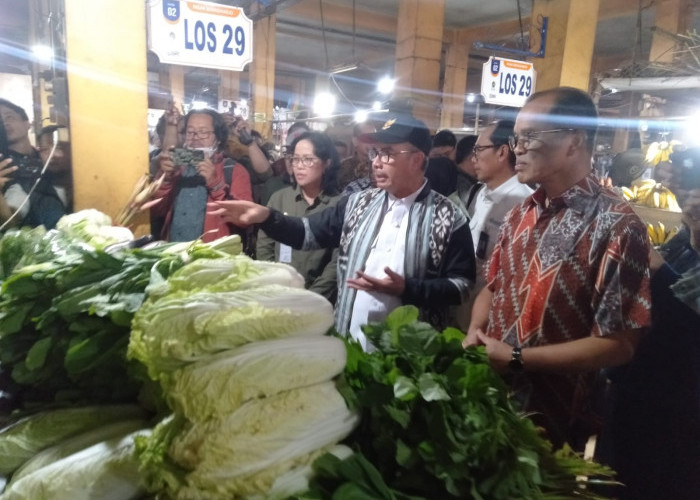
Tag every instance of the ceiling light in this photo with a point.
(361, 116)
(377, 105)
(199, 104)
(386, 85)
(324, 104)
(43, 53)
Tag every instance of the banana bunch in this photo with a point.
(650, 193)
(659, 235)
(660, 151)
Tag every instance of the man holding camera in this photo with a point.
(188, 187)
(44, 207)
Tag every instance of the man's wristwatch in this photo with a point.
(516, 360)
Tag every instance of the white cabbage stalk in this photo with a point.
(75, 444)
(276, 433)
(219, 384)
(23, 439)
(186, 327)
(107, 470)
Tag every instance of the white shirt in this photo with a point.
(388, 250)
(490, 208)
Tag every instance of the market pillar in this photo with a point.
(570, 40)
(107, 86)
(455, 85)
(262, 71)
(669, 19)
(229, 88)
(418, 52)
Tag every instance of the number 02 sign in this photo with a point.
(507, 82)
(204, 34)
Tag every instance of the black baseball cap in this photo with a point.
(401, 128)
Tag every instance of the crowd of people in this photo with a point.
(508, 235)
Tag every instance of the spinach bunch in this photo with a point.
(437, 422)
(65, 323)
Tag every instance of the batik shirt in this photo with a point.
(575, 268)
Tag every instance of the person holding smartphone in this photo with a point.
(186, 189)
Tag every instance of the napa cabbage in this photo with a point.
(184, 327)
(228, 274)
(23, 439)
(107, 470)
(217, 385)
(243, 453)
(77, 443)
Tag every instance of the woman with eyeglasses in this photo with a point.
(208, 176)
(315, 165)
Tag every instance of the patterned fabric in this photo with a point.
(352, 168)
(432, 221)
(576, 268)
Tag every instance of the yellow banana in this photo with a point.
(671, 234)
(660, 233)
(655, 199)
(627, 193)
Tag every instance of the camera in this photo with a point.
(27, 168)
(186, 157)
(688, 163)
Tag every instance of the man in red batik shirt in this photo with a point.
(568, 282)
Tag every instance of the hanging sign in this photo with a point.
(203, 34)
(507, 82)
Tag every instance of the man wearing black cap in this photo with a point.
(399, 243)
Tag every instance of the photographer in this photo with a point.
(243, 147)
(44, 206)
(187, 188)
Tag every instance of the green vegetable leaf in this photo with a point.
(405, 389)
(37, 353)
(431, 389)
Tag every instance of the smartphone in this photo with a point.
(186, 157)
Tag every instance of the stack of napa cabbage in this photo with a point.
(73, 454)
(238, 347)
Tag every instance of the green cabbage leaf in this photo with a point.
(219, 384)
(184, 327)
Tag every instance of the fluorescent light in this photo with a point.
(324, 104)
(377, 105)
(361, 115)
(342, 68)
(43, 53)
(386, 85)
(199, 104)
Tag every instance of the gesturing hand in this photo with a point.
(239, 212)
(393, 284)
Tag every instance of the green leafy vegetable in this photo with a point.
(437, 422)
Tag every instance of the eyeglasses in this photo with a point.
(478, 149)
(524, 140)
(198, 134)
(303, 161)
(386, 156)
